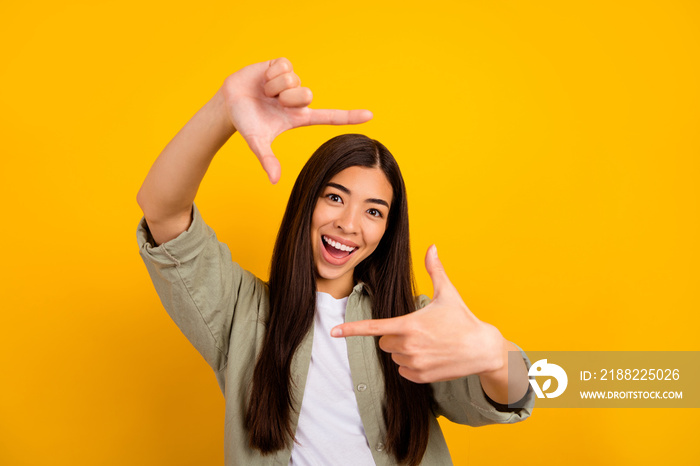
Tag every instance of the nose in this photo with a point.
(347, 220)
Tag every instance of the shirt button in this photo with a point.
(361, 388)
(380, 446)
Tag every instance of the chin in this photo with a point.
(330, 275)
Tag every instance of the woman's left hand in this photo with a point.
(442, 341)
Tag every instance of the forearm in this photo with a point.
(507, 385)
(172, 182)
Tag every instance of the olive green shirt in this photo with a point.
(222, 309)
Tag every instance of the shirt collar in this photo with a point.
(358, 288)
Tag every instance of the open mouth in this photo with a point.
(337, 250)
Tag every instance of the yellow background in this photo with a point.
(551, 151)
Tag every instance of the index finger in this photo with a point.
(338, 117)
(369, 328)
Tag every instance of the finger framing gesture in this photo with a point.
(265, 99)
(442, 341)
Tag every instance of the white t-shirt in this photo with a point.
(330, 430)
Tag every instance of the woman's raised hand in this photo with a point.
(445, 341)
(442, 341)
(266, 99)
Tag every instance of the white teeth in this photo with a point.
(337, 245)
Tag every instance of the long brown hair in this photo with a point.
(387, 275)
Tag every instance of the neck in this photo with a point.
(338, 288)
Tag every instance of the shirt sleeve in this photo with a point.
(463, 400)
(199, 285)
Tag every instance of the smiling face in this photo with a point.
(347, 224)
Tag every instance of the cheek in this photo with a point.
(376, 234)
(320, 216)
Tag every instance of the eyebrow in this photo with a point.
(347, 191)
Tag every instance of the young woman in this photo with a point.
(305, 377)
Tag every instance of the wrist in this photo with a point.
(495, 380)
(509, 383)
(498, 366)
(220, 117)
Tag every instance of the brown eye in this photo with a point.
(375, 213)
(334, 198)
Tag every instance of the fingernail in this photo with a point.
(336, 332)
(435, 251)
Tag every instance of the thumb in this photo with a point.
(436, 271)
(263, 151)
